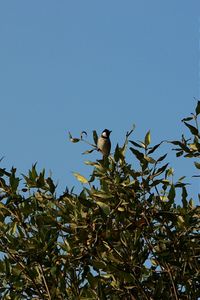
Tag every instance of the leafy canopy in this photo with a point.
(129, 234)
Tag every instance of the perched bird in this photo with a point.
(103, 143)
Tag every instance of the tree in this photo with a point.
(129, 234)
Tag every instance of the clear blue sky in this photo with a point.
(84, 65)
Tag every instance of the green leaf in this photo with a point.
(138, 154)
(83, 133)
(170, 172)
(198, 108)
(33, 173)
(91, 163)
(184, 197)
(192, 129)
(102, 195)
(161, 170)
(95, 137)
(136, 144)
(180, 221)
(181, 178)
(149, 159)
(162, 158)
(193, 147)
(191, 203)
(147, 139)
(51, 185)
(121, 208)
(187, 119)
(182, 145)
(99, 265)
(13, 228)
(80, 178)
(197, 165)
(104, 207)
(14, 181)
(74, 140)
(88, 151)
(152, 149)
(180, 153)
(41, 180)
(92, 280)
(172, 194)
(118, 153)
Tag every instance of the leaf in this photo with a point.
(95, 137)
(138, 154)
(121, 208)
(181, 178)
(187, 119)
(88, 151)
(152, 149)
(182, 145)
(14, 181)
(192, 129)
(184, 197)
(162, 158)
(74, 140)
(13, 228)
(197, 165)
(1, 158)
(198, 108)
(169, 172)
(92, 280)
(193, 147)
(51, 185)
(180, 153)
(149, 159)
(80, 178)
(102, 195)
(70, 136)
(160, 170)
(118, 153)
(147, 139)
(191, 203)
(83, 133)
(156, 182)
(91, 163)
(164, 198)
(180, 221)
(136, 144)
(41, 180)
(172, 194)
(33, 173)
(104, 207)
(154, 262)
(98, 265)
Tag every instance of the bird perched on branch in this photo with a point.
(103, 143)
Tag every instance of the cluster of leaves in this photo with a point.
(190, 148)
(129, 234)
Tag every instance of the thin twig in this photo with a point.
(172, 281)
(45, 282)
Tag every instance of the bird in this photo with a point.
(104, 143)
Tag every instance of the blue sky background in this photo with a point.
(84, 65)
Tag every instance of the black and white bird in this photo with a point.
(103, 143)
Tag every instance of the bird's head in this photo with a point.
(106, 133)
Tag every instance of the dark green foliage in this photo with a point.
(129, 234)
